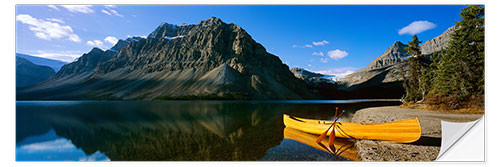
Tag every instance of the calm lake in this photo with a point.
(171, 130)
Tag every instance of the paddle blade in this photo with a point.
(320, 138)
(331, 140)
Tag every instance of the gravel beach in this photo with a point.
(425, 149)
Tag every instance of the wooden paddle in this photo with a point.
(332, 135)
(320, 138)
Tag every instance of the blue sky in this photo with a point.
(331, 39)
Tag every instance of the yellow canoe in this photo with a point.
(402, 131)
(342, 147)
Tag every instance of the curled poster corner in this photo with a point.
(462, 141)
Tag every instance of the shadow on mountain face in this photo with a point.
(220, 83)
(123, 89)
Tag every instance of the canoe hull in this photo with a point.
(402, 131)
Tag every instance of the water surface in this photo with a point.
(169, 130)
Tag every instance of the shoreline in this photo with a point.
(425, 149)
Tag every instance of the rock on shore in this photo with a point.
(426, 149)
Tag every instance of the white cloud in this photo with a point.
(318, 53)
(417, 27)
(111, 40)
(324, 60)
(337, 54)
(53, 7)
(115, 13)
(320, 43)
(79, 8)
(96, 43)
(339, 72)
(99, 43)
(305, 46)
(66, 56)
(104, 11)
(111, 10)
(54, 20)
(309, 65)
(110, 6)
(48, 30)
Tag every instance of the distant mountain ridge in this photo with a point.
(28, 73)
(312, 77)
(210, 60)
(54, 64)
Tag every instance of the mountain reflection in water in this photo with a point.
(157, 130)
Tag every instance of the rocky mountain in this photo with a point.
(391, 56)
(122, 43)
(209, 60)
(384, 64)
(384, 73)
(28, 74)
(54, 64)
(437, 43)
(86, 63)
(396, 51)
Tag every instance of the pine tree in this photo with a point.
(460, 71)
(433, 68)
(412, 83)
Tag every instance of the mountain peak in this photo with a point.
(85, 63)
(163, 24)
(122, 43)
(164, 29)
(398, 43)
(213, 19)
(134, 38)
(392, 55)
(96, 50)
